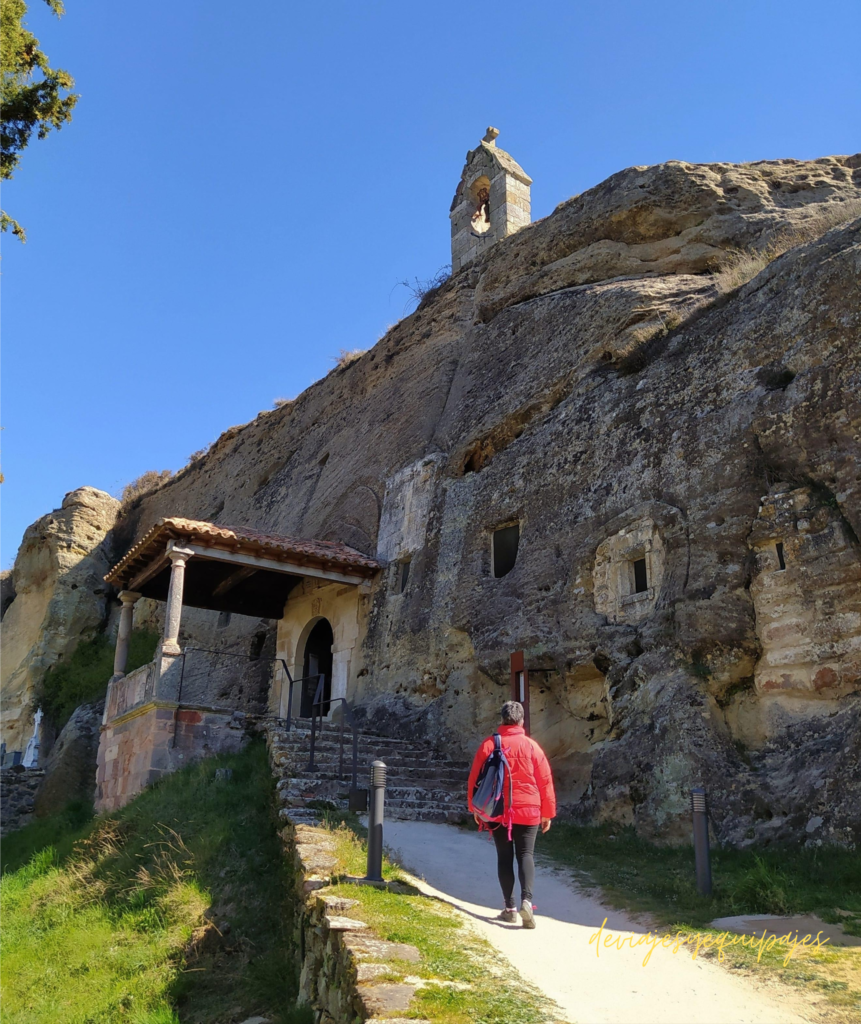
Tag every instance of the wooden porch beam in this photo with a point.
(233, 580)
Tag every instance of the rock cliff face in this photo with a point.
(593, 380)
(59, 598)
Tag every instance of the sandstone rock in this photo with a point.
(587, 379)
(60, 598)
(674, 218)
(70, 768)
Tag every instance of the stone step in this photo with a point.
(335, 790)
(414, 776)
(367, 746)
(301, 757)
(311, 788)
(438, 814)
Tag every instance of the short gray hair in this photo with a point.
(512, 713)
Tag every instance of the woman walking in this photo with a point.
(532, 805)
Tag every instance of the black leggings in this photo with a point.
(521, 844)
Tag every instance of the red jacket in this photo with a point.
(534, 797)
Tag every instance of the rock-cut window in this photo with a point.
(402, 576)
(641, 576)
(504, 545)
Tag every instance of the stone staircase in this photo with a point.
(421, 785)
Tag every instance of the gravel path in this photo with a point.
(614, 988)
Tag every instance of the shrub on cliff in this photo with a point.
(144, 484)
(83, 678)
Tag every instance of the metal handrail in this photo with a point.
(346, 715)
(247, 657)
(318, 702)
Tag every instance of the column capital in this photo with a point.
(129, 596)
(178, 554)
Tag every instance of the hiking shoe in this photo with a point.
(527, 915)
(508, 915)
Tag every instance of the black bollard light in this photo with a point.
(375, 822)
(701, 841)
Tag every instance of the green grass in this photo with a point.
(84, 676)
(639, 876)
(463, 970)
(109, 922)
(60, 831)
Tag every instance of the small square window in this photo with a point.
(641, 576)
(504, 547)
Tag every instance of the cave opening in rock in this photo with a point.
(781, 561)
(506, 541)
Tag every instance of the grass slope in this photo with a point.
(116, 919)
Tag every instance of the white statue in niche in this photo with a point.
(31, 754)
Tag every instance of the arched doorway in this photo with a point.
(317, 661)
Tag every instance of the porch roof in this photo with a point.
(233, 568)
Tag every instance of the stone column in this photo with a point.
(173, 612)
(121, 653)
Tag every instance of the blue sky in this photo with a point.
(243, 185)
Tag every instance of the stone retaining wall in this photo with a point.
(18, 788)
(341, 957)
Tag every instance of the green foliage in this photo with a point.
(105, 924)
(34, 96)
(761, 889)
(642, 876)
(84, 677)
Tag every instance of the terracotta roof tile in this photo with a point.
(292, 550)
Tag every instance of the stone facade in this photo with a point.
(491, 202)
(146, 733)
(806, 592)
(345, 608)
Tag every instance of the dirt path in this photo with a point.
(614, 988)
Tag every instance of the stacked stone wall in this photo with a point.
(18, 789)
(157, 738)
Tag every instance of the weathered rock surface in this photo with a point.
(70, 768)
(587, 379)
(18, 788)
(60, 598)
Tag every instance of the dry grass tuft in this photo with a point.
(422, 291)
(146, 483)
(347, 357)
(742, 265)
(281, 403)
